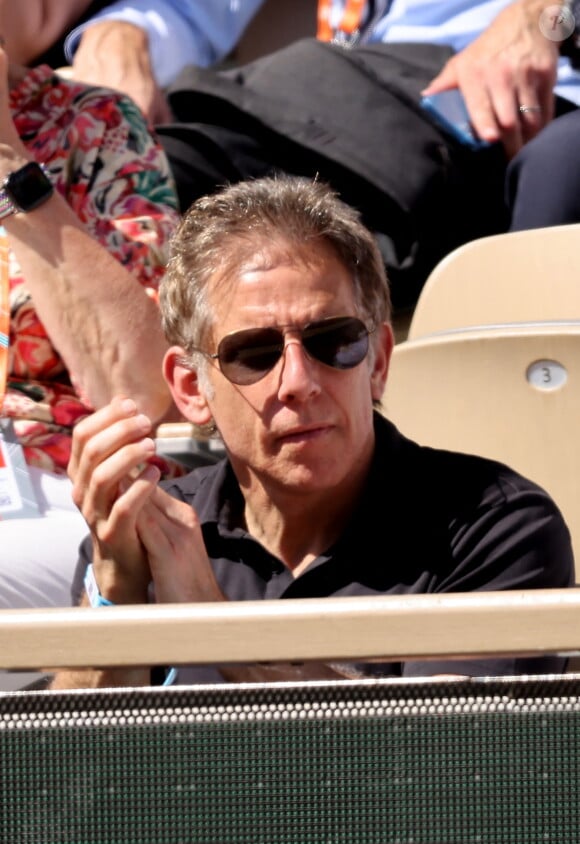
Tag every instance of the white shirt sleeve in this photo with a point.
(181, 32)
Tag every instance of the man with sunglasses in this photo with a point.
(278, 311)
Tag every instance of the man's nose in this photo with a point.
(298, 375)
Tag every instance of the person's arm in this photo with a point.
(116, 54)
(31, 28)
(88, 262)
(140, 47)
(512, 64)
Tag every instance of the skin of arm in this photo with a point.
(140, 47)
(510, 64)
(98, 315)
(31, 28)
(127, 67)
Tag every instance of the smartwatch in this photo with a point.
(25, 189)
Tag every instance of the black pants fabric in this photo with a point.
(543, 180)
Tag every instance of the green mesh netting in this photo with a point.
(488, 762)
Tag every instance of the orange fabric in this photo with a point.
(349, 23)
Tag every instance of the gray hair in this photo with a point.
(221, 232)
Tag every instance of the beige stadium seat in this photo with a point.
(177, 440)
(526, 276)
(510, 393)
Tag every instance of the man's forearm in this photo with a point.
(288, 672)
(101, 679)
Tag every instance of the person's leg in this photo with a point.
(543, 180)
(39, 555)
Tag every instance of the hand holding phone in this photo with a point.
(448, 109)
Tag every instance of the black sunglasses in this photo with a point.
(246, 356)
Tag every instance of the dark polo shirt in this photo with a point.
(429, 521)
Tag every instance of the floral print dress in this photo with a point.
(106, 163)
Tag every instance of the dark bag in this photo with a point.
(351, 117)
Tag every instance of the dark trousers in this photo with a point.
(543, 180)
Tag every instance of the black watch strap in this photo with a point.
(25, 189)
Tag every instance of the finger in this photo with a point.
(118, 408)
(531, 110)
(531, 119)
(97, 483)
(490, 99)
(167, 521)
(505, 105)
(171, 534)
(116, 542)
(100, 435)
(482, 113)
(132, 497)
(536, 106)
(107, 446)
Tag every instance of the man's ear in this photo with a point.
(383, 350)
(185, 388)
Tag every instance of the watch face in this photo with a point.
(28, 187)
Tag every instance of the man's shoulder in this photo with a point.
(482, 524)
(454, 479)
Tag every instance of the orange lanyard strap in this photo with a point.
(4, 313)
(350, 22)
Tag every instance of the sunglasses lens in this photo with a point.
(342, 342)
(246, 356)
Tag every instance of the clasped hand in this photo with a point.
(140, 533)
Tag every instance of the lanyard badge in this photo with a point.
(348, 29)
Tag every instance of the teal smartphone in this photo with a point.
(449, 111)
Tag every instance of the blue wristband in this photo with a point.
(92, 590)
(170, 677)
(97, 600)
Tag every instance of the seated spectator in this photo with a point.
(277, 307)
(353, 117)
(87, 205)
(137, 46)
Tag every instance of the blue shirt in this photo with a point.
(202, 32)
(453, 22)
(180, 32)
